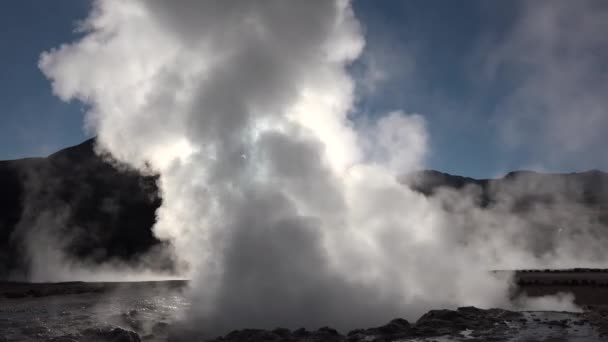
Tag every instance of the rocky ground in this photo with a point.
(147, 311)
(463, 324)
(89, 311)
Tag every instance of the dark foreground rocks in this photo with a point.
(100, 334)
(478, 321)
(148, 323)
(466, 322)
(463, 324)
(111, 334)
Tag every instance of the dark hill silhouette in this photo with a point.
(98, 211)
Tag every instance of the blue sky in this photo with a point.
(456, 63)
(436, 39)
(32, 121)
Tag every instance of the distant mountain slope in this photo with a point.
(525, 187)
(547, 215)
(92, 209)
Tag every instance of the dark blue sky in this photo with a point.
(433, 55)
(437, 39)
(32, 121)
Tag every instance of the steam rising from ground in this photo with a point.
(284, 210)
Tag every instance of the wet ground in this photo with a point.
(89, 311)
(148, 311)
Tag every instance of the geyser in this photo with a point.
(283, 209)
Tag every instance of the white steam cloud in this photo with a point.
(555, 56)
(284, 210)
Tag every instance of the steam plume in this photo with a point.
(285, 211)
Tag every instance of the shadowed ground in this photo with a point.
(150, 311)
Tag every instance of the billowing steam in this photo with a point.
(555, 54)
(282, 209)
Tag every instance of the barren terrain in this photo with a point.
(149, 311)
